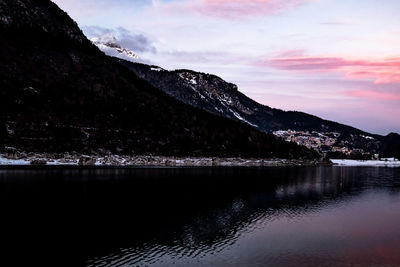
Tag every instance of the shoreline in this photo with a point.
(71, 160)
(21, 159)
(365, 163)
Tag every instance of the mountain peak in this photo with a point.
(109, 45)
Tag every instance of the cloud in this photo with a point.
(208, 57)
(135, 41)
(384, 71)
(233, 9)
(338, 23)
(375, 95)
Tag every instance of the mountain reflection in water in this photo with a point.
(202, 217)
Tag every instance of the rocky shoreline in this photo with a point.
(75, 159)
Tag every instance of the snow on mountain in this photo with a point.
(109, 45)
(219, 94)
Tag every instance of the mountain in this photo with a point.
(59, 92)
(391, 145)
(213, 94)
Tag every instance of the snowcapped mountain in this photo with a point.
(110, 46)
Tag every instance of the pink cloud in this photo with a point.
(235, 9)
(374, 95)
(385, 71)
(380, 77)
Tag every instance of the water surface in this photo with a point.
(324, 216)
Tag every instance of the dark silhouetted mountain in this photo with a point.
(213, 94)
(391, 145)
(58, 92)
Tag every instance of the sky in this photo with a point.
(337, 59)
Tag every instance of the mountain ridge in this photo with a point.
(213, 94)
(138, 67)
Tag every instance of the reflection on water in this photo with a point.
(326, 216)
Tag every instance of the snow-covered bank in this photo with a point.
(151, 161)
(6, 161)
(376, 163)
(34, 160)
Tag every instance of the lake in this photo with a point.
(293, 216)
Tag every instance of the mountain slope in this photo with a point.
(391, 145)
(217, 96)
(60, 93)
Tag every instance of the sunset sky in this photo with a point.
(338, 59)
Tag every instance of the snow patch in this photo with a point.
(367, 137)
(27, 161)
(5, 161)
(241, 118)
(189, 78)
(61, 162)
(157, 69)
(219, 110)
(225, 99)
(201, 96)
(372, 163)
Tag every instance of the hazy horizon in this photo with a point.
(337, 59)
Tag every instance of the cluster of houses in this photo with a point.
(323, 142)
